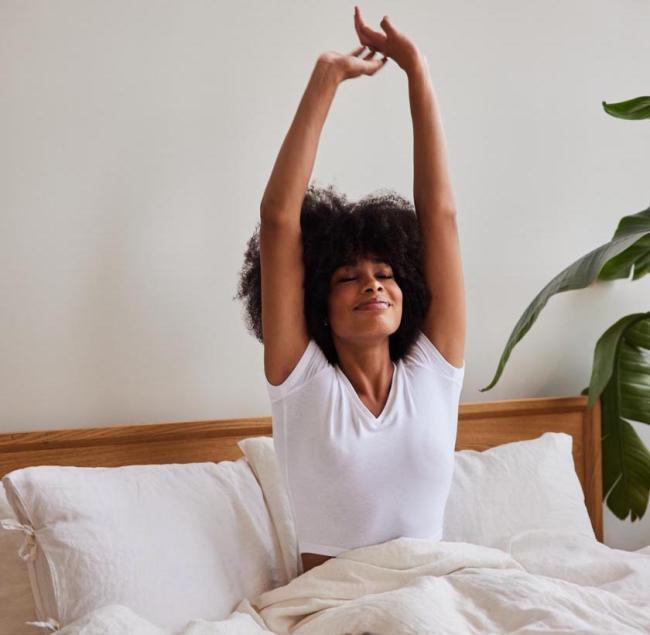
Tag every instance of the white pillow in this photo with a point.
(260, 454)
(16, 600)
(513, 487)
(494, 494)
(172, 542)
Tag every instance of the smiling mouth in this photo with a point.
(373, 305)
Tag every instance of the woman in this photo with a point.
(361, 311)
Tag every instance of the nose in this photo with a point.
(372, 285)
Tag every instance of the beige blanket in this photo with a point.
(546, 582)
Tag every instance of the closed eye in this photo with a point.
(354, 277)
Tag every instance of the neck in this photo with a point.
(367, 365)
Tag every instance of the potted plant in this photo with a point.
(620, 374)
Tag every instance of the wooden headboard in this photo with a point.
(481, 425)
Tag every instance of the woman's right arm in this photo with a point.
(285, 191)
(284, 326)
(284, 329)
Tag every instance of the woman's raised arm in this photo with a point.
(293, 166)
(286, 188)
(282, 270)
(444, 323)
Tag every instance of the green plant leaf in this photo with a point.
(621, 377)
(635, 258)
(637, 108)
(583, 272)
(627, 341)
(626, 397)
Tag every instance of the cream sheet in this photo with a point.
(546, 582)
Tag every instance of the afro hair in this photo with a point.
(336, 232)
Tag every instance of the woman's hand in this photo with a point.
(352, 65)
(393, 43)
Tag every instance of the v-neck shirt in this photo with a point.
(354, 396)
(354, 479)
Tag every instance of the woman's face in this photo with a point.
(352, 285)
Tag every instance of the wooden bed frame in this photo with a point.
(481, 425)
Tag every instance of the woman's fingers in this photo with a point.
(356, 52)
(366, 35)
(387, 25)
(377, 64)
(372, 66)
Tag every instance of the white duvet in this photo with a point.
(545, 582)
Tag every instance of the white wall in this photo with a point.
(137, 139)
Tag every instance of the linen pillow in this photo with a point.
(172, 542)
(260, 454)
(16, 600)
(512, 487)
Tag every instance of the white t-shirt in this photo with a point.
(354, 479)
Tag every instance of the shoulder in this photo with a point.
(424, 354)
(310, 364)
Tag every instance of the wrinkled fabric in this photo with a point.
(513, 487)
(117, 619)
(543, 582)
(171, 541)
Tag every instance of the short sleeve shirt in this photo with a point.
(354, 479)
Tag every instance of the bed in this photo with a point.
(550, 574)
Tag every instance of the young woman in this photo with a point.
(361, 310)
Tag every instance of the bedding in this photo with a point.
(543, 581)
(260, 455)
(515, 486)
(171, 541)
(16, 600)
(553, 568)
(494, 494)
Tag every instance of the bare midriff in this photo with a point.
(311, 560)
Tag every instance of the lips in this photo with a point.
(372, 303)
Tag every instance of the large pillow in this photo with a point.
(260, 454)
(16, 600)
(513, 487)
(494, 494)
(172, 542)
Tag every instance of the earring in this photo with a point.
(325, 322)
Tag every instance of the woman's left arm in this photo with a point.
(445, 321)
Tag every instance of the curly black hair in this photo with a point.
(336, 232)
